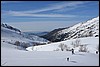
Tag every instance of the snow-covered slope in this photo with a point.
(10, 56)
(84, 29)
(35, 38)
(91, 42)
(12, 35)
(10, 28)
(44, 55)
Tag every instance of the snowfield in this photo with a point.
(15, 57)
(11, 56)
(44, 55)
(91, 42)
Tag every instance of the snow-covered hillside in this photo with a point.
(11, 56)
(90, 42)
(84, 29)
(78, 59)
(10, 28)
(35, 38)
(13, 36)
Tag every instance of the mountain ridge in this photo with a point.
(83, 29)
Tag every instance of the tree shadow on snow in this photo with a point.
(3, 63)
(73, 61)
(78, 54)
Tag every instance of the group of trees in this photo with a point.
(63, 47)
(82, 47)
(76, 43)
(22, 44)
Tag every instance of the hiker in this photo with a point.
(96, 52)
(68, 59)
(72, 51)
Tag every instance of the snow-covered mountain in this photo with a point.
(14, 36)
(10, 27)
(84, 29)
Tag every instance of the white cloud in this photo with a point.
(4, 2)
(15, 13)
(58, 6)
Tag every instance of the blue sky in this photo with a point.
(47, 15)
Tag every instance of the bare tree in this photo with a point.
(25, 45)
(66, 47)
(32, 47)
(76, 43)
(73, 44)
(61, 46)
(97, 48)
(83, 48)
(17, 43)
